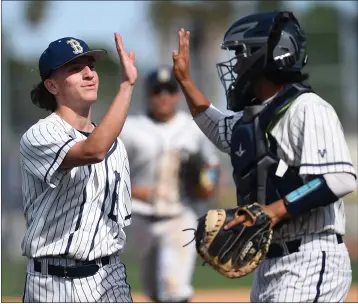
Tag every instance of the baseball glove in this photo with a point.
(194, 177)
(238, 251)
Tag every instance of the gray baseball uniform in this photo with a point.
(73, 217)
(155, 151)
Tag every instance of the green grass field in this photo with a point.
(13, 275)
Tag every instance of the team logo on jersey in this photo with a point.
(322, 152)
(240, 152)
(77, 48)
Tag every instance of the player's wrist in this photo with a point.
(186, 82)
(277, 211)
(196, 100)
(126, 85)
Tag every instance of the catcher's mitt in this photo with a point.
(239, 250)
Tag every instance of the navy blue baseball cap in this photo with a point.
(64, 50)
(162, 79)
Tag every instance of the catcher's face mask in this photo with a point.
(238, 74)
(267, 42)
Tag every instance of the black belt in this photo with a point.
(276, 250)
(87, 269)
(156, 218)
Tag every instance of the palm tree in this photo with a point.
(35, 12)
(15, 71)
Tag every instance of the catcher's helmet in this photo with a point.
(263, 42)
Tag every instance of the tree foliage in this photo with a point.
(321, 23)
(35, 11)
(213, 13)
(269, 5)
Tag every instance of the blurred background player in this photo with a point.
(158, 143)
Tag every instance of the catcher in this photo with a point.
(173, 169)
(291, 166)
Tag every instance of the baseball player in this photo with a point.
(158, 142)
(75, 181)
(288, 153)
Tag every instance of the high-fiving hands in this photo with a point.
(129, 71)
(181, 65)
(197, 102)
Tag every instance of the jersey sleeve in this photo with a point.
(323, 145)
(217, 126)
(126, 192)
(208, 151)
(42, 150)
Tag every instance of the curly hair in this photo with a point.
(42, 98)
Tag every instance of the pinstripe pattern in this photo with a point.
(309, 136)
(320, 272)
(74, 207)
(107, 285)
(78, 214)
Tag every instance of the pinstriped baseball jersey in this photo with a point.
(78, 213)
(309, 136)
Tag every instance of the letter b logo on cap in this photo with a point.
(77, 48)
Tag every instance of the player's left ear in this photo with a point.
(51, 86)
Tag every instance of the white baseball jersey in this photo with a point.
(309, 136)
(155, 152)
(78, 213)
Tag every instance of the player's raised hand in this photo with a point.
(129, 71)
(181, 65)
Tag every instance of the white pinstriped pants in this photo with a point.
(319, 272)
(107, 285)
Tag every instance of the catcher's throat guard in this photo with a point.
(238, 251)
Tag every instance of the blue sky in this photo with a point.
(81, 19)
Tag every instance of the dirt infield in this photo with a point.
(232, 295)
(220, 295)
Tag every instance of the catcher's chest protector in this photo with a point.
(254, 151)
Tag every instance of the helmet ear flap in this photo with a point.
(279, 57)
(275, 32)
